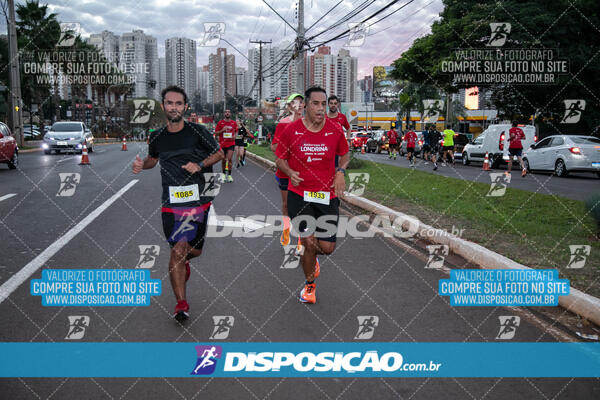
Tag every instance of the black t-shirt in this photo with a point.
(174, 149)
(242, 134)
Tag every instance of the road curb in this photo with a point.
(577, 301)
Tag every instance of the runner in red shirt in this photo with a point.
(226, 130)
(295, 106)
(515, 148)
(334, 103)
(392, 142)
(411, 141)
(306, 153)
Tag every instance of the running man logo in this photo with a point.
(579, 253)
(432, 109)
(68, 184)
(185, 227)
(212, 183)
(508, 327)
(212, 34)
(500, 31)
(143, 109)
(499, 184)
(437, 255)
(573, 110)
(207, 359)
(77, 326)
(148, 255)
(68, 32)
(366, 326)
(358, 183)
(357, 35)
(292, 258)
(223, 324)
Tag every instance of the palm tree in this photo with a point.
(37, 32)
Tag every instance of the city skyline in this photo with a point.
(246, 20)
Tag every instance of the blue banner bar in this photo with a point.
(308, 359)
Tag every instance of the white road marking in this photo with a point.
(65, 159)
(17, 279)
(246, 224)
(7, 196)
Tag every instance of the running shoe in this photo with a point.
(317, 269)
(299, 248)
(238, 165)
(435, 167)
(182, 310)
(307, 295)
(243, 162)
(285, 237)
(229, 178)
(524, 172)
(188, 271)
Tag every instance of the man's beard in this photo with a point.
(176, 118)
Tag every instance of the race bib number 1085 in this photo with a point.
(183, 194)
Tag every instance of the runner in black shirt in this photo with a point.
(240, 149)
(186, 152)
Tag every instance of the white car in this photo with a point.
(563, 154)
(494, 141)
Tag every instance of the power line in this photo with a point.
(366, 19)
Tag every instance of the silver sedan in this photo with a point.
(563, 154)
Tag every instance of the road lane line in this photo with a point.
(65, 159)
(17, 279)
(7, 196)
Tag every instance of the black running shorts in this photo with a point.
(326, 230)
(185, 224)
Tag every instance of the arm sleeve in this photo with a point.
(346, 125)
(342, 145)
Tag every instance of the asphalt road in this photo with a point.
(575, 186)
(239, 277)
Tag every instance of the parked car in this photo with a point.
(418, 145)
(494, 141)
(360, 139)
(31, 133)
(460, 141)
(68, 136)
(563, 154)
(9, 151)
(378, 142)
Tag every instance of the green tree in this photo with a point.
(569, 26)
(37, 33)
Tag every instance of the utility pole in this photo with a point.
(299, 48)
(260, 80)
(16, 121)
(260, 68)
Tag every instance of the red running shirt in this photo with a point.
(227, 138)
(411, 139)
(278, 131)
(515, 137)
(393, 137)
(312, 154)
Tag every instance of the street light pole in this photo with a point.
(15, 79)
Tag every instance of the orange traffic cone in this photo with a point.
(362, 149)
(124, 148)
(84, 156)
(486, 162)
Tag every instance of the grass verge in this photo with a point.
(531, 228)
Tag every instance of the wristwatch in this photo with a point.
(342, 170)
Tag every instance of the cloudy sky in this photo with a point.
(252, 19)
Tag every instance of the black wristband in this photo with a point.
(342, 170)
